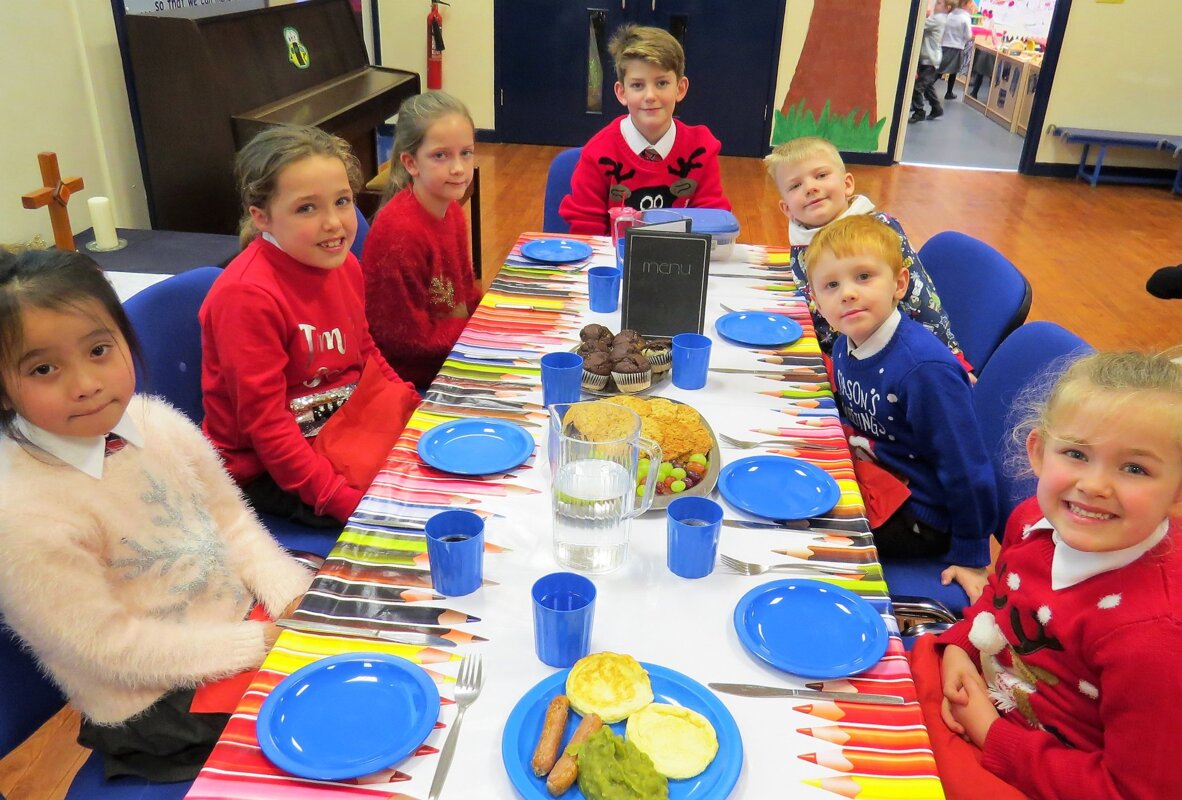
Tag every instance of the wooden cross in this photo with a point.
(55, 194)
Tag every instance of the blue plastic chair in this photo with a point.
(362, 231)
(28, 699)
(984, 295)
(1021, 360)
(558, 187)
(164, 317)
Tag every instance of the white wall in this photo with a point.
(64, 92)
(1120, 69)
(467, 57)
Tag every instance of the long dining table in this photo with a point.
(377, 576)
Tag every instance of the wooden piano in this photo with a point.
(202, 87)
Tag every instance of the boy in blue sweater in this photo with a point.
(907, 399)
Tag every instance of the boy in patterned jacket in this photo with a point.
(645, 159)
(815, 190)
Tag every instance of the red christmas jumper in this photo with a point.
(417, 269)
(273, 330)
(610, 174)
(1101, 717)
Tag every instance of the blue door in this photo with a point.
(555, 79)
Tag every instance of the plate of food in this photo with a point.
(691, 460)
(665, 727)
(622, 363)
(347, 715)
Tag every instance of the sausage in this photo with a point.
(562, 777)
(546, 753)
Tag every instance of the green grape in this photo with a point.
(698, 458)
(677, 486)
(678, 473)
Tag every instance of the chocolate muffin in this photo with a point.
(623, 350)
(596, 369)
(632, 373)
(631, 337)
(659, 355)
(592, 346)
(594, 332)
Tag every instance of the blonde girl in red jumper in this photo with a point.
(419, 286)
(284, 336)
(1061, 676)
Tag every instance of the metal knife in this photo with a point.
(751, 690)
(401, 637)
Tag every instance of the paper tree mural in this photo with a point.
(833, 92)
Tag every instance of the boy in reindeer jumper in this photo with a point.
(645, 159)
(908, 402)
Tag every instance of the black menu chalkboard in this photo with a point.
(665, 276)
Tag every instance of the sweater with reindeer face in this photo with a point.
(1085, 676)
(609, 174)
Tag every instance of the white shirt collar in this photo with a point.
(83, 453)
(877, 340)
(268, 237)
(637, 143)
(1070, 566)
(803, 235)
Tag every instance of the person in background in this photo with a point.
(645, 159)
(815, 190)
(419, 286)
(907, 402)
(958, 34)
(130, 559)
(284, 338)
(1059, 675)
(930, 58)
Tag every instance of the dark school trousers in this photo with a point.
(925, 88)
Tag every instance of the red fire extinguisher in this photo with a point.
(435, 46)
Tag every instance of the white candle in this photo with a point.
(102, 220)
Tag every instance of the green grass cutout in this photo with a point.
(852, 132)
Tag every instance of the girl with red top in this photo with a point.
(1060, 674)
(419, 286)
(283, 331)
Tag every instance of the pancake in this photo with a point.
(680, 741)
(608, 684)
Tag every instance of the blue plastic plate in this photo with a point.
(476, 446)
(346, 716)
(811, 628)
(556, 251)
(525, 725)
(778, 487)
(758, 328)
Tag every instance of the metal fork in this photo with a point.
(469, 680)
(796, 443)
(748, 568)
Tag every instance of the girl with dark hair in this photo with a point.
(130, 560)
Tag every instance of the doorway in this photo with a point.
(555, 79)
(984, 126)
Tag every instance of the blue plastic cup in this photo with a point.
(603, 284)
(564, 608)
(620, 245)
(562, 376)
(455, 551)
(692, 526)
(691, 360)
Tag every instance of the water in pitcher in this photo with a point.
(593, 499)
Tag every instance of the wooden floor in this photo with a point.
(1086, 252)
